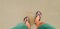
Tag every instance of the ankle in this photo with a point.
(28, 24)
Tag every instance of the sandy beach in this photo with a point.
(13, 12)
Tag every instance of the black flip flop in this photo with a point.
(27, 19)
(38, 13)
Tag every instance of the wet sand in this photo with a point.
(13, 12)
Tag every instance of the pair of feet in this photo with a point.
(37, 20)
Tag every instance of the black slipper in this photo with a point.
(27, 19)
(38, 13)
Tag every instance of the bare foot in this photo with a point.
(27, 22)
(37, 19)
